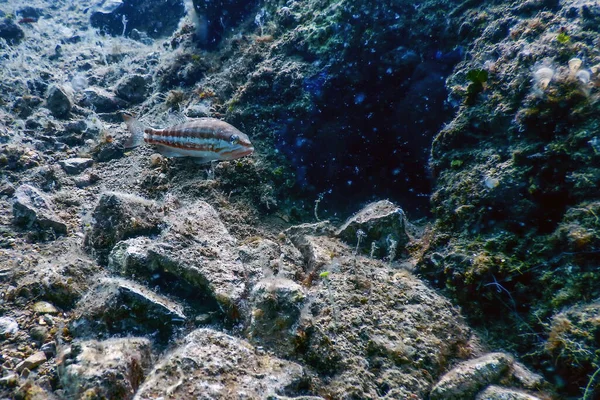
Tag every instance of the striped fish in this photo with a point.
(205, 139)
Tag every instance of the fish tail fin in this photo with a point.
(136, 130)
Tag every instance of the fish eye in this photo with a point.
(234, 139)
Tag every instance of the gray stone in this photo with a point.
(133, 88)
(59, 101)
(32, 209)
(382, 223)
(112, 368)
(108, 151)
(8, 327)
(211, 364)
(500, 393)
(32, 362)
(39, 334)
(49, 349)
(10, 31)
(195, 251)
(74, 166)
(101, 101)
(276, 307)
(120, 215)
(118, 306)
(469, 377)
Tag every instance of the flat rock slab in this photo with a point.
(382, 223)
(213, 365)
(33, 209)
(121, 307)
(32, 362)
(74, 166)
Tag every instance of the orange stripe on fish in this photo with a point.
(206, 139)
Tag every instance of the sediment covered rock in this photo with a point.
(113, 369)
(124, 308)
(32, 209)
(230, 366)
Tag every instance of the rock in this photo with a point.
(10, 31)
(39, 334)
(10, 380)
(525, 378)
(381, 222)
(24, 106)
(6, 189)
(317, 253)
(195, 254)
(469, 377)
(276, 305)
(59, 101)
(118, 216)
(8, 327)
(108, 151)
(49, 349)
(32, 362)
(101, 101)
(362, 313)
(118, 17)
(61, 280)
(111, 369)
(30, 12)
(43, 307)
(32, 209)
(229, 367)
(74, 166)
(500, 393)
(18, 157)
(118, 306)
(86, 180)
(132, 88)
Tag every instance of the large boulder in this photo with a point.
(195, 255)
